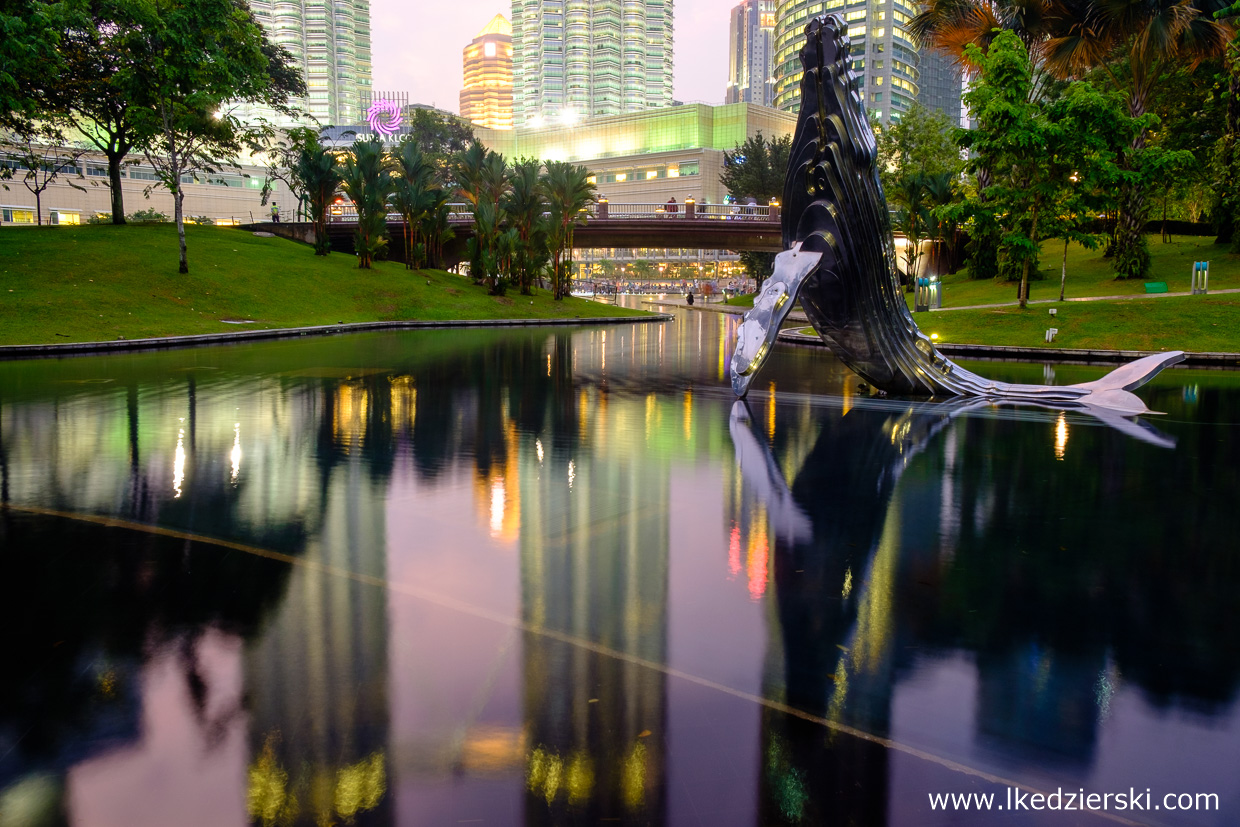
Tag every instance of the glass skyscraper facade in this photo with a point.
(330, 40)
(751, 53)
(883, 53)
(574, 59)
(941, 84)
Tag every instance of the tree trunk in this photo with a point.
(1132, 257)
(179, 199)
(1063, 273)
(114, 182)
(38, 208)
(1024, 272)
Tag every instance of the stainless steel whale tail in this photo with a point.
(839, 261)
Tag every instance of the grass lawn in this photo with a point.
(1194, 323)
(100, 282)
(1089, 274)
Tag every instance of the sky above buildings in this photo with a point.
(416, 47)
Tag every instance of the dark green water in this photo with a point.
(518, 577)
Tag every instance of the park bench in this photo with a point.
(1156, 287)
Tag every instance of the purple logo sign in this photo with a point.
(384, 117)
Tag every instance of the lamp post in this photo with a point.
(690, 207)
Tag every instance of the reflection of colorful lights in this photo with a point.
(734, 552)
(759, 555)
(384, 117)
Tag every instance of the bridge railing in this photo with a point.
(605, 211)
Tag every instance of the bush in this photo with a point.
(200, 219)
(151, 215)
(100, 218)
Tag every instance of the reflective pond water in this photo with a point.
(545, 576)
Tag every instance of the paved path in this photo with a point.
(1079, 299)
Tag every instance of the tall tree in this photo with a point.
(919, 143)
(756, 168)
(569, 192)
(524, 205)
(412, 195)
(1136, 45)
(194, 57)
(367, 180)
(29, 58)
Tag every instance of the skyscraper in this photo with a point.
(330, 41)
(751, 53)
(883, 52)
(577, 58)
(487, 97)
(940, 84)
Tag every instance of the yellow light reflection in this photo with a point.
(688, 415)
(497, 507)
(538, 447)
(633, 783)
(758, 559)
(770, 417)
(404, 405)
(847, 590)
(234, 455)
(350, 414)
(1061, 435)
(572, 473)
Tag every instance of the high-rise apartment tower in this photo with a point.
(751, 53)
(883, 52)
(487, 97)
(330, 41)
(577, 58)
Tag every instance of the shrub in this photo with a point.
(150, 214)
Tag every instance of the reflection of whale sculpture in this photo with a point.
(840, 262)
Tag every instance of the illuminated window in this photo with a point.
(620, 176)
(488, 49)
(858, 15)
(18, 216)
(673, 172)
(61, 217)
(652, 174)
(880, 31)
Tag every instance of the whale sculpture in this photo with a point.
(839, 262)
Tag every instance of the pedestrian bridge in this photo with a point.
(690, 226)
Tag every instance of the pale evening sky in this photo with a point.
(416, 47)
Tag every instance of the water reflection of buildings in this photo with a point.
(594, 568)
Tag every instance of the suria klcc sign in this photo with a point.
(384, 117)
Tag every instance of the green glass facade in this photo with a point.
(574, 59)
(883, 52)
(330, 40)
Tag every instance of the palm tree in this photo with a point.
(412, 195)
(1133, 43)
(367, 180)
(316, 176)
(569, 192)
(483, 179)
(524, 206)
(436, 229)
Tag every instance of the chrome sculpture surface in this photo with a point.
(839, 261)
